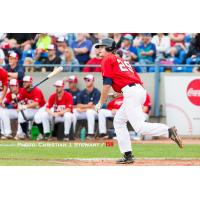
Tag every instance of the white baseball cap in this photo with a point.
(72, 79)
(89, 77)
(51, 47)
(59, 83)
(13, 82)
(28, 79)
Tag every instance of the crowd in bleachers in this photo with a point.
(76, 52)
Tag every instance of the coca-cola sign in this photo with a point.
(193, 92)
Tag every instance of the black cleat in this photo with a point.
(103, 136)
(126, 160)
(175, 137)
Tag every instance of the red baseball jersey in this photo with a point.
(35, 95)
(9, 101)
(3, 78)
(117, 102)
(120, 71)
(148, 103)
(60, 104)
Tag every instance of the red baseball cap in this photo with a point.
(13, 54)
(59, 83)
(72, 79)
(13, 82)
(28, 79)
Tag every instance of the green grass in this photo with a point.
(13, 153)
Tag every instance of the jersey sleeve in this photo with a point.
(8, 99)
(4, 78)
(147, 101)
(110, 105)
(107, 68)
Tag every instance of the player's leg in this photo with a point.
(68, 119)
(5, 123)
(123, 137)
(91, 114)
(45, 120)
(133, 101)
(102, 115)
(22, 130)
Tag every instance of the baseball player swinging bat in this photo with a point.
(52, 74)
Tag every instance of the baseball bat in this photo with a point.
(53, 73)
(14, 97)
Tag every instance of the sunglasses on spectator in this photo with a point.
(87, 80)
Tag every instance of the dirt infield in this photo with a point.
(139, 162)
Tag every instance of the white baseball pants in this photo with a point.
(30, 114)
(46, 119)
(131, 110)
(5, 116)
(90, 115)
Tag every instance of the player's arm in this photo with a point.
(3, 93)
(32, 105)
(107, 82)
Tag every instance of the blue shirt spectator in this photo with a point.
(82, 48)
(15, 71)
(147, 50)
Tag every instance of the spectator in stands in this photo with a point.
(73, 89)
(29, 61)
(82, 48)
(61, 46)
(2, 58)
(99, 36)
(91, 64)
(178, 49)
(52, 58)
(137, 40)
(23, 39)
(162, 43)
(40, 57)
(146, 51)
(129, 52)
(43, 41)
(15, 71)
(118, 39)
(111, 110)
(86, 102)
(70, 62)
(177, 43)
(193, 55)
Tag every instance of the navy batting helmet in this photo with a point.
(109, 43)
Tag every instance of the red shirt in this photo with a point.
(3, 78)
(93, 61)
(117, 102)
(35, 95)
(60, 104)
(173, 43)
(148, 103)
(120, 71)
(9, 100)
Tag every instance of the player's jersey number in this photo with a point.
(124, 66)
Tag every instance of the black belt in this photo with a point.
(132, 84)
